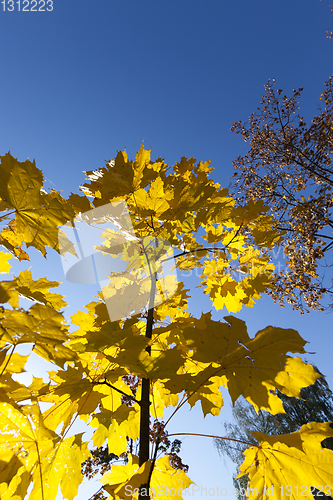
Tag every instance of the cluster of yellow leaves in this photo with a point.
(31, 452)
(166, 482)
(251, 367)
(173, 206)
(37, 214)
(185, 359)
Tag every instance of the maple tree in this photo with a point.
(118, 376)
(289, 168)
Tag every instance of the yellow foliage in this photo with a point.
(288, 465)
(125, 480)
(100, 364)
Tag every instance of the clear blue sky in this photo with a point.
(90, 77)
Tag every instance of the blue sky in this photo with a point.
(90, 77)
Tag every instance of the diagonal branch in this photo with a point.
(105, 382)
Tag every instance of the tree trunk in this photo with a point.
(145, 396)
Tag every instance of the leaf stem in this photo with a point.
(40, 470)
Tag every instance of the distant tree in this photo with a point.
(316, 405)
(289, 168)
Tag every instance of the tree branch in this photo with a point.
(212, 436)
(118, 390)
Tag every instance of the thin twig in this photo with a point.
(118, 390)
(212, 436)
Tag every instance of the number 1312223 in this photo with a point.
(27, 5)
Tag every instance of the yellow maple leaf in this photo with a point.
(287, 466)
(115, 427)
(38, 214)
(35, 290)
(4, 264)
(161, 398)
(12, 240)
(253, 368)
(40, 325)
(62, 466)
